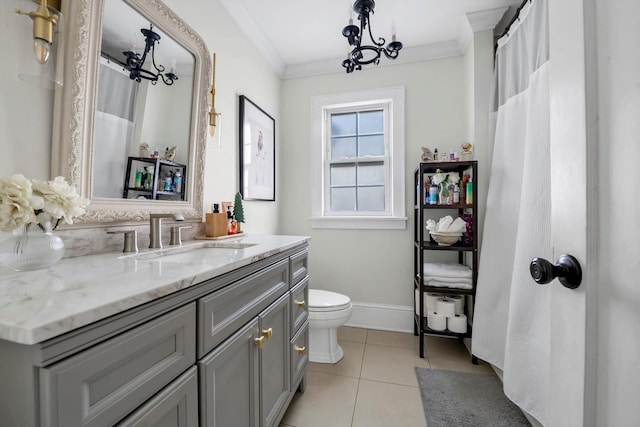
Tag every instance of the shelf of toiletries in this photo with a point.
(154, 178)
(445, 194)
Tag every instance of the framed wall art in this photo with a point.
(257, 152)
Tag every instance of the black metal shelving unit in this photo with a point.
(154, 192)
(423, 242)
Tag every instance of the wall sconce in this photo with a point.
(213, 116)
(43, 24)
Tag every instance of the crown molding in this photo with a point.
(408, 55)
(250, 27)
(478, 21)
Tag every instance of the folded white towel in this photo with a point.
(440, 284)
(449, 279)
(446, 270)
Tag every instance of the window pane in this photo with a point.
(343, 147)
(371, 122)
(371, 199)
(371, 174)
(343, 199)
(371, 146)
(343, 124)
(343, 175)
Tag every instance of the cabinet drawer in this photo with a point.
(299, 264)
(175, 406)
(299, 305)
(299, 354)
(103, 384)
(225, 311)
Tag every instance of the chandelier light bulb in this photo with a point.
(41, 50)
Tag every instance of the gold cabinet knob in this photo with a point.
(300, 303)
(267, 333)
(300, 350)
(259, 342)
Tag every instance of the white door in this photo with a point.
(595, 140)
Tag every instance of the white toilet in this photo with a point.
(327, 311)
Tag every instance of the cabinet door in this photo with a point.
(175, 406)
(274, 361)
(229, 381)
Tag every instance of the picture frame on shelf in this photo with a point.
(227, 207)
(257, 152)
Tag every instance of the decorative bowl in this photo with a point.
(445, 238)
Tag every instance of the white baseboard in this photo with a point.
(397, 318)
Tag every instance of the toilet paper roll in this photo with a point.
(436, 321)
(457, 324)
(446, 307)
(431, 301)
(459, 302)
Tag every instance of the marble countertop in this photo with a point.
(42, 304)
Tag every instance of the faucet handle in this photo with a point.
(130, 239)
(176, 234)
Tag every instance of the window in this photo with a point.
(358, 160)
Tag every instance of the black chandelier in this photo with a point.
(363, 55)
(134, 62)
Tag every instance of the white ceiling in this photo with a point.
(304, 37)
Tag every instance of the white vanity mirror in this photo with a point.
(113, 148)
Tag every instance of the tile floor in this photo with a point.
(375, 383)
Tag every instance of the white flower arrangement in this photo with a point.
(23, 201)
(446, 177)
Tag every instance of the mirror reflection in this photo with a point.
(143, 111)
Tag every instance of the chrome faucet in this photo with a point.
(155, 228)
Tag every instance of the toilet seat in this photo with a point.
(323, 301)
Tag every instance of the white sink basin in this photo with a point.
(185, 252)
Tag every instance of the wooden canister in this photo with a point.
(217, 224)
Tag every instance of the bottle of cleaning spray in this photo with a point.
(470, 191)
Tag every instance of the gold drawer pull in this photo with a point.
(267, 333)
(300, 303)
(300, 350)
(259, 342)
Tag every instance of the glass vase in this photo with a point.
(32, 247)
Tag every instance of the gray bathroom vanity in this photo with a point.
(198, 335)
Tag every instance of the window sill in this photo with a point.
(360, 222)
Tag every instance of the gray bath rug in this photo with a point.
(462, 399)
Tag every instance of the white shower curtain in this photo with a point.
(114, 130)
(511, 324)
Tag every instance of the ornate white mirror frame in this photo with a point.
(75, 104)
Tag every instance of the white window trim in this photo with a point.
(395, 219)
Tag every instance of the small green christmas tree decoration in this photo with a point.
(238, 210)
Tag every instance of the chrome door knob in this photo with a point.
(567, 270)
